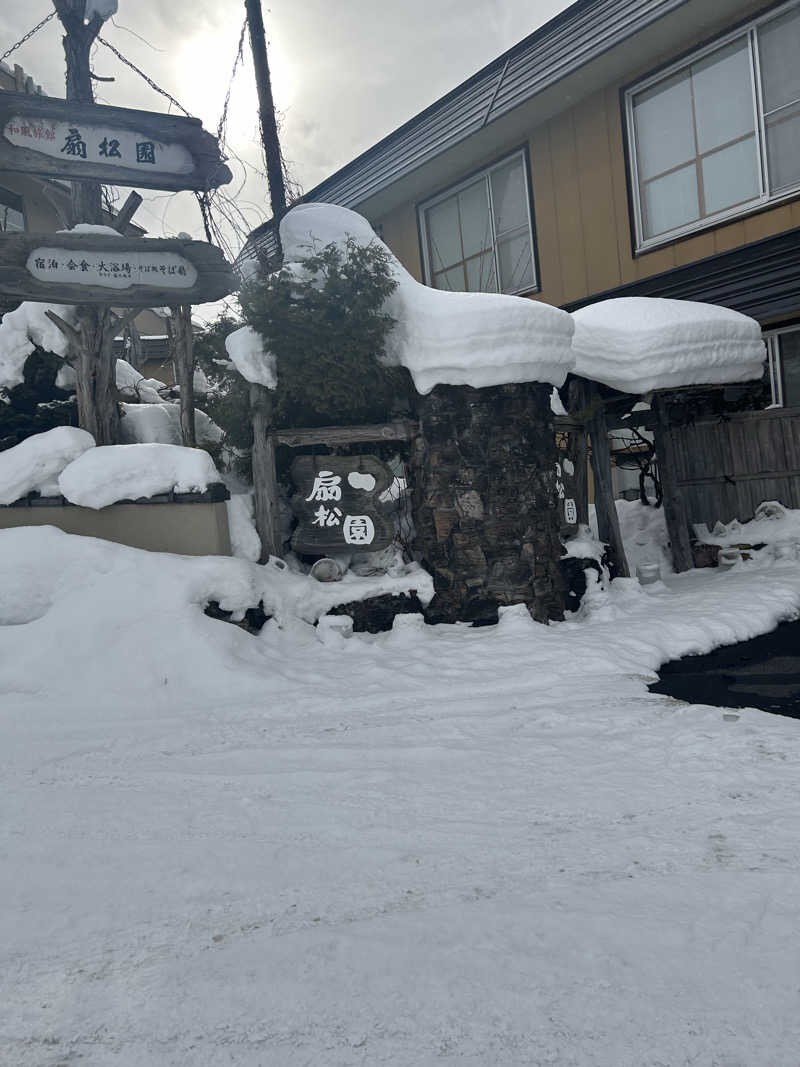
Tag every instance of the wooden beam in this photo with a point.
(126, 213)
(400, 430)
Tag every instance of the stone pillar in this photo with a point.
(485, 505)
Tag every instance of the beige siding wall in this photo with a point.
(581, 198)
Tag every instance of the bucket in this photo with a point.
(648, 573)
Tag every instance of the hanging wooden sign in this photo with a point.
(99, 268)
(59, 139)
(566, 495)
(338, 504)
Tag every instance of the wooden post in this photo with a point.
(98, 411)
(265, 481)
(179, 327)
(78, 40)
(607, 522)
(134, 349)
(674, 508)
(578, 449)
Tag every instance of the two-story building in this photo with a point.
(627, 147)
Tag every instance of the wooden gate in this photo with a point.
(725, 467)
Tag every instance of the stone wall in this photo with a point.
(485, 505)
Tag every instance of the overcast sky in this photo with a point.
(344, 75)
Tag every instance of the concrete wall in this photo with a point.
(186, 529)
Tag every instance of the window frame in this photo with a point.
(747, 30)
(775, 364)
(456, 187)
(15, 201)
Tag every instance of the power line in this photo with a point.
(142, 74)
(27, 36)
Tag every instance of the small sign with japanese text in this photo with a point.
(102, 268)
(338, 504)
(565, 493)
(164, 269)
(97, 144)
(93, 142)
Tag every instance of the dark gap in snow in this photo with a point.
(253, 621)
(761, 673)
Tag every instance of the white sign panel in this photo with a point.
(114, 146)
(112, 270)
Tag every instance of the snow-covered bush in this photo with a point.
(324, 319)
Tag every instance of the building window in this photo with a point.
(477, 237)
(784, 367)
(719, 133)
(12, 216)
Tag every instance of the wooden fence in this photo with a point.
(724, 468)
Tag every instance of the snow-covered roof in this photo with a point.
(637, 344)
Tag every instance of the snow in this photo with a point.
(477, 339)
(134, 386)
(245, 542)
(644, 535)
(130, 472)
(438, 845)
(255, 364)
(91, 227)
(773, 525)
(637, 344)
(24, 328)
(66, 378)
(161, 424)
(36, 462)
(583, 545)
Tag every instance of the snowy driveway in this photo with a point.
(440, 845)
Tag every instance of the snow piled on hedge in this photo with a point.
(477, 339)
(161, 424)
(21, 330)
(254, 362)
(637, 344)
(36, 463)
(130, 472)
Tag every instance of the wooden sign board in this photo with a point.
(91, 142)
(94, 268)
(338, 505)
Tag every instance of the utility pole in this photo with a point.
(92, 336)
(265, 482)
(266, 110)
